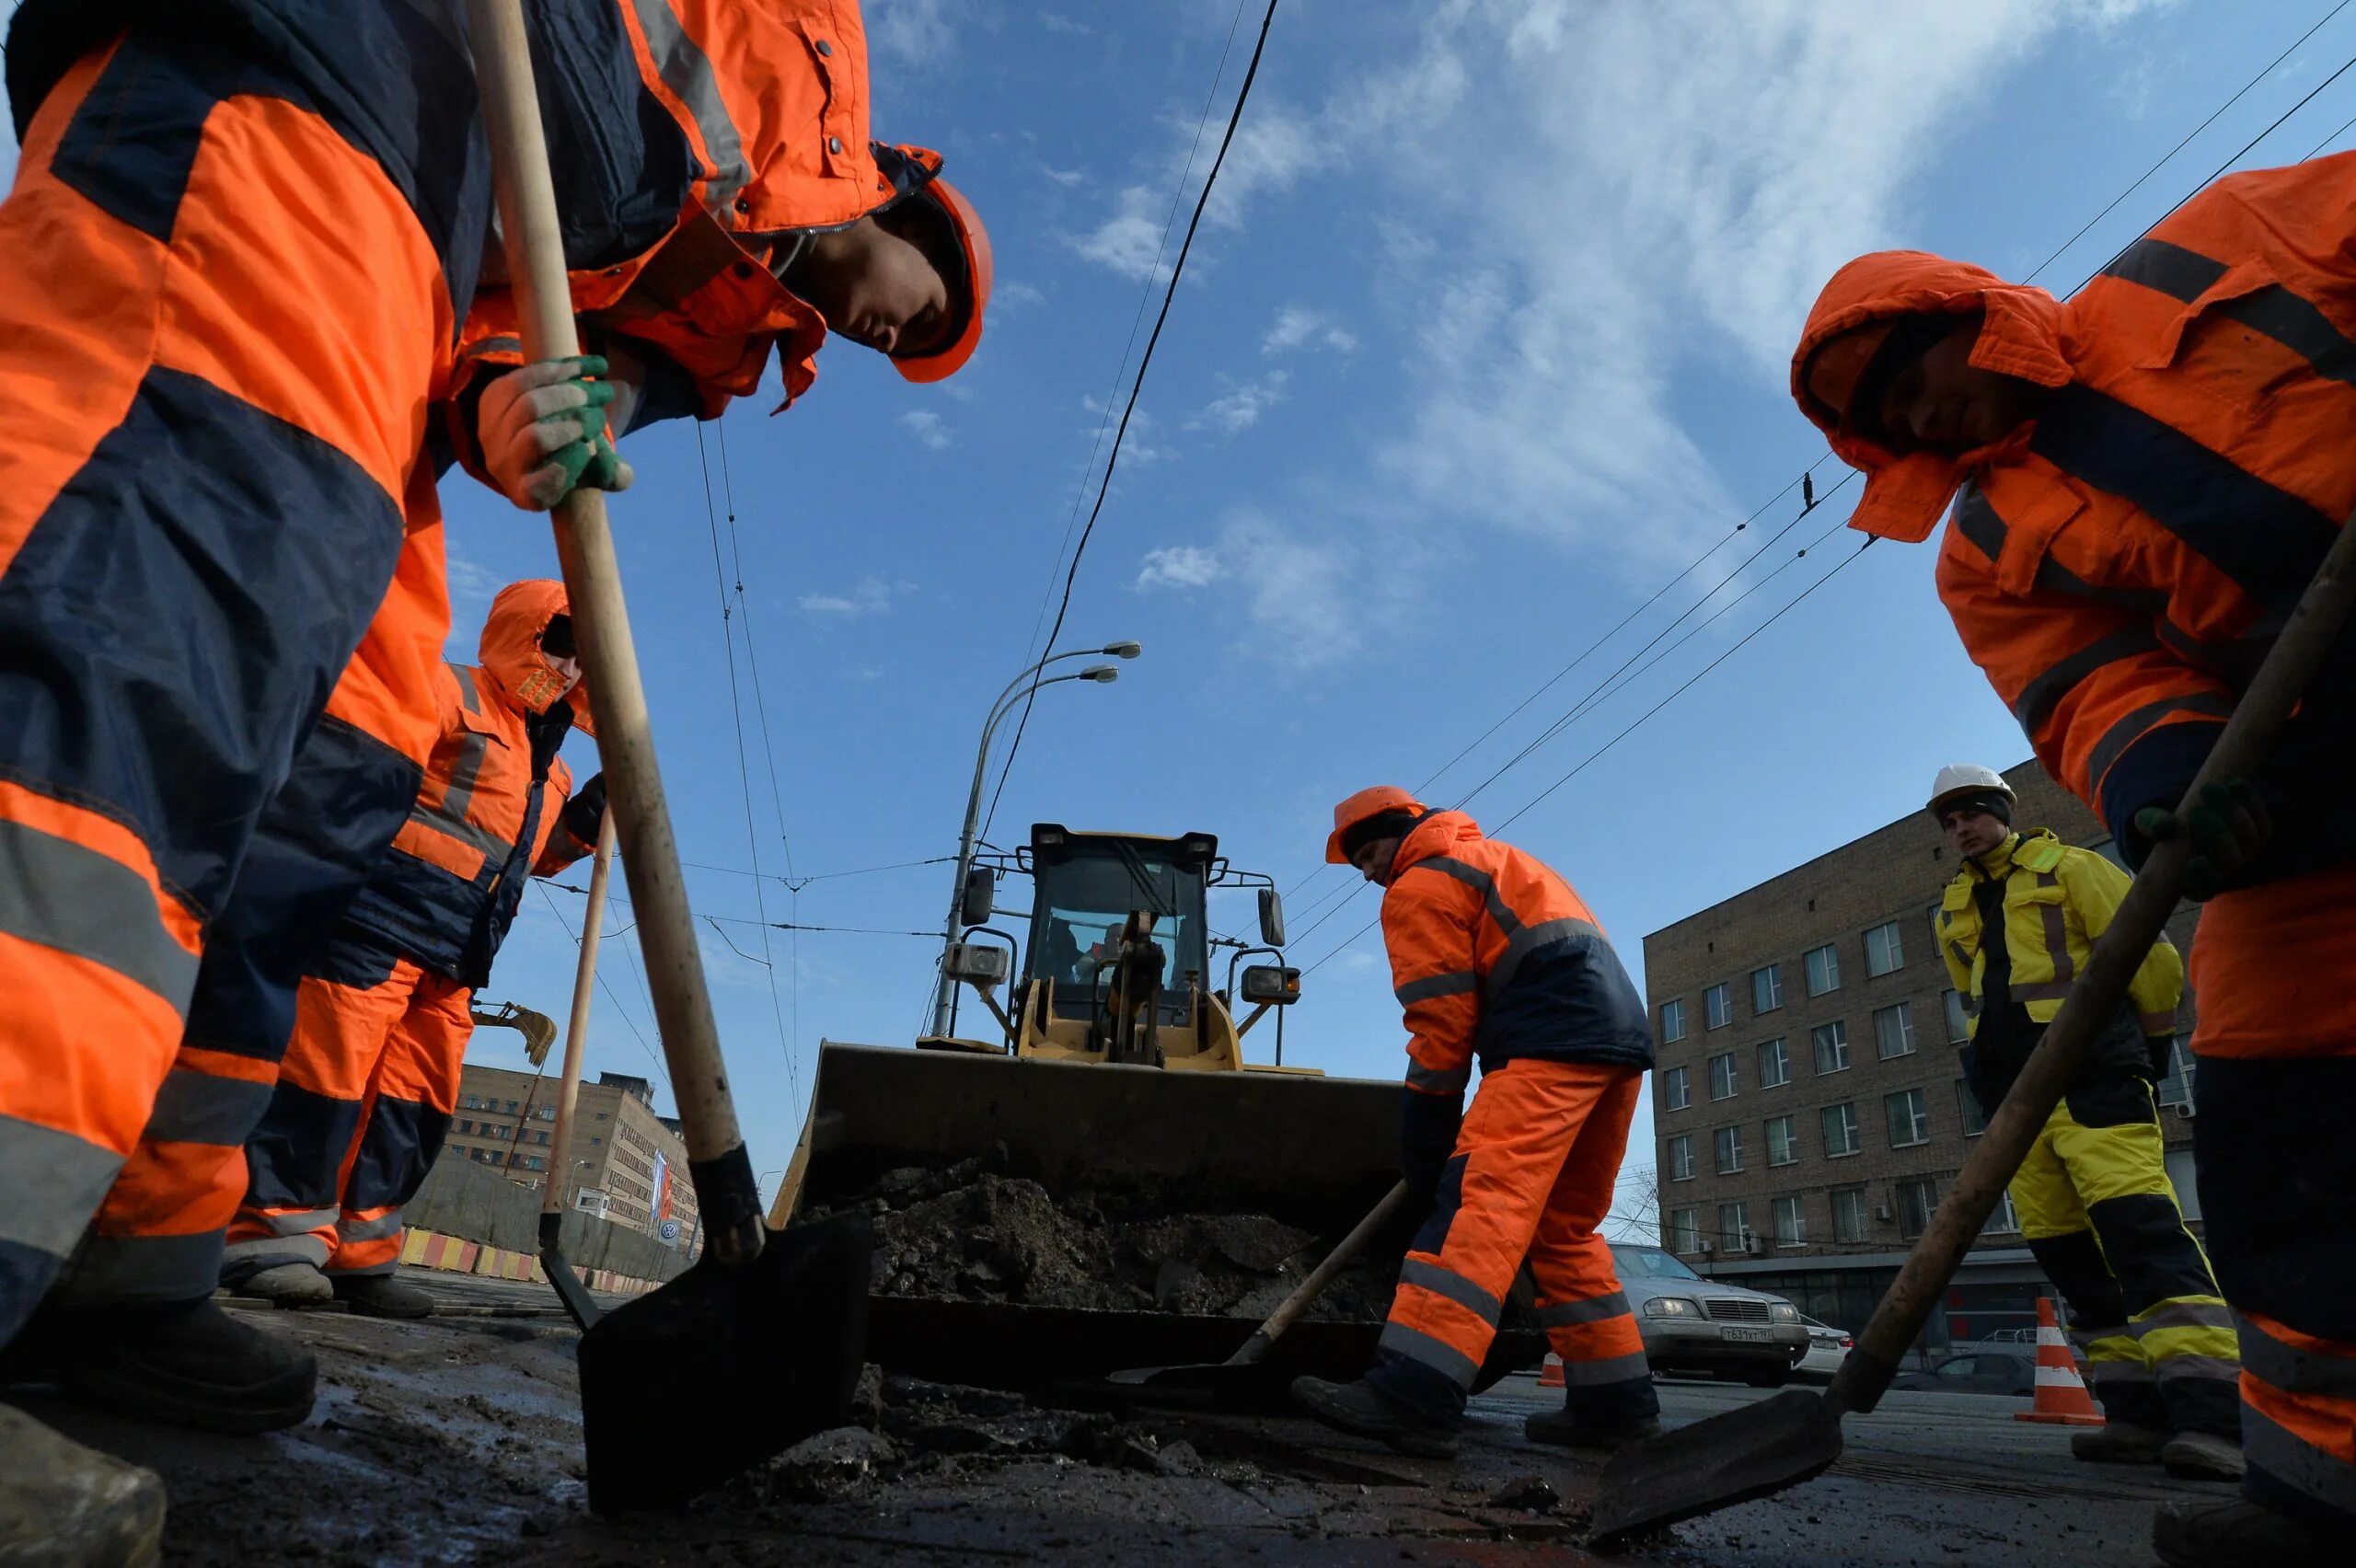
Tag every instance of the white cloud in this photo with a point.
(1127, 241)
(1273, 149)
(915, 32)
(1056, 22)
(1180, 566)
(873, 596)
(1014, 296)
(1067, 177)
(927, 429)
(1296, 325)
(1311, 593)
(1240, 407)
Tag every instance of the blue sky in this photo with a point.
(1483, 342)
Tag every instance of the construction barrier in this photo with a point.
(1549, 1371)
(432, 1250)
(2062, 1397)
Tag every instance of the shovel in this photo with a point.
(1778, 1443)
(1240, 1376)
(760, 1343)
(553, 1262)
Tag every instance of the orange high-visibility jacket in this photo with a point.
(491, 813)
(1493, 954)
(2119, 566)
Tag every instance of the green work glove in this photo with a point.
(2228, 827)
(542, 428)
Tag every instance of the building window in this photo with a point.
(1791, 1223)
(511, 1108)
(1840, 1133)
(1958, 1018)
(1774, 1065)
(2002, 1220)
(1916, 1199)
(1722, 1080)
(1767, 988)
(533, 1162)
(1672, 1021)
(1782, 1142)
(1823, 969)
(1894, 1032)
(1681, 1158)
(1718, 1006)
(1884, 952)
(1685, 1231)
(466, 1127)
(1909, 1120)
(1676, 1093)
(1729, 1141)
(1849, 1218)
(2177, 1088)
(1832, 1042)
(1966, 1105)
(539, 1137)
(1734, 1226)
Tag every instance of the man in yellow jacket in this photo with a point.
(2016, 925)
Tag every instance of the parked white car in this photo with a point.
(1827, 1348)
(1692, 1324)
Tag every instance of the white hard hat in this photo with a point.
(1965, 778)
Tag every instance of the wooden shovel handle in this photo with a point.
(1290, 1311)
(2257, 719)
(723, 1177)
(576, 1029)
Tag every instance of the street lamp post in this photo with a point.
(1104, 674)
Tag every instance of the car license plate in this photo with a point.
(1748, 1336)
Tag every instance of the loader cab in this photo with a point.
(1086, 888)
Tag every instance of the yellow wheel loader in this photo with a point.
(1112, 1065)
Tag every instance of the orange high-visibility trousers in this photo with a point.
(1531, 1177)
(222, 322)
(362, 1103)
(2275, 969)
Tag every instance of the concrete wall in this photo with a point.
(471, 1201)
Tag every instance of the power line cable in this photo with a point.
(1145, 362)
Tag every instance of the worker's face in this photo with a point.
(1373, 860)
(1972, 832)
(876, 288)
(1943, 403)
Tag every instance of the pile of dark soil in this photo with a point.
(971, 1232)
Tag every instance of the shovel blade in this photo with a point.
(1751, 1452)
(723, 1367)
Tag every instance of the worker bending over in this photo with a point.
(2150, 474)
(2016, 924)
(1495, 956)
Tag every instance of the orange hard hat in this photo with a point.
(1366, 803)
(974, 240)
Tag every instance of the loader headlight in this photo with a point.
(1783, 1312)
(1672, 1307)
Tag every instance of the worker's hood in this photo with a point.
(1435, 835)
(510, 650)
(1995, 865)
(1906, 494)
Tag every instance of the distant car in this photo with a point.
(1987, 1372)
(1827, 1348)
(1692, 1324)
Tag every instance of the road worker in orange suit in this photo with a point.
(239, 276)
(365, 1092)
(1496, 957)
(2145, 479)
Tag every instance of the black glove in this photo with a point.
(2160, 1048)
(2229, 827)
(1427, 1139)
(585, 814)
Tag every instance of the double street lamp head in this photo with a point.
(1123, 650)
(1104, 674)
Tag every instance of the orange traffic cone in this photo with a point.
(2062, 1397)
(1549, 1371)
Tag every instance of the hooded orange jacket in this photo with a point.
(2119, 565)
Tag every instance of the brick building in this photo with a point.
(626, 1163)
(1809, 1109)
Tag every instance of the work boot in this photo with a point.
(2203, 1456)
(381, 1296)
(62, 1506)
(2118, 1443)
(286, 1285)
(1564, 1430)
(185, 1362)
(1366, 1411)
(2206, 1535)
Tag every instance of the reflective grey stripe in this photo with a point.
(2188, 1315)
(56, 894)
(51, 1184)
(463, 778)
(375, 1229)
(1479, 882)
(142, 1268)
(2057, 933)
(200, 1109)
(2130, 730)
(1611, 1369)
(1414, 1345)
(1431, 1080)
(686, 71)
(1977, 520)
(2168, 1368)
(467, 692)
(251, 1257)
(1447, 1281)
(2296, 1463)
(1529, 939)
(2038, 698)
(474, 835)
(2272, 310)
(2042, 991)
(1594, 1309)
(1461, 982)
(2169, 268)
(2052, 577)
(2293, 1370)
(293, 1222)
